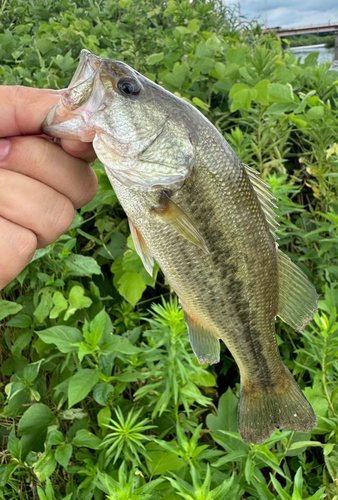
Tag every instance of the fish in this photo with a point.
(208, 220)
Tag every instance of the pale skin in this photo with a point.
(41, 183)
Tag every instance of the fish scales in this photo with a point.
(204, 217)
(216, 286)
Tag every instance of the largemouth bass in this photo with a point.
(207, 219)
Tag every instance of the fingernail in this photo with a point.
(4, 148)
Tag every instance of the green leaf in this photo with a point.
(79, 265)
(14, 445)
(262, 92)
(278, 92)
(178, 75)
(298, 121)
(243, 99)
(200, 104)
(60, 305)
(160, 461)
(81, 384)
(63, 454)
(45, 304)
(77, 300)
(8, 308)
(62, 336)
(86, 439)
(131, 286)
(33, 427)
(155, 58)
(226, 418)
(96, 328)
(116, 246)
(20, 321)
(103, 417)
(315, 113)
(45, 466)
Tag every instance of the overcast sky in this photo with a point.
(289, 12)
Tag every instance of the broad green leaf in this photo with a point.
(8, 308)
(178, 74)
(80, 265)
(81, 384)
(262, 92)
(62, 336)
(315, 113)
(243, 99)
(14, 445)
(160, 461)
(86, 439)
(96, 328)
(20, 321)
(103, 417)
(45, 304)
(131, 286)
(45, 466)
(194, 25)
(77, 300)
(115, 248)
(280, 93)
(60, 305)
(155, 58)
(63, 454)
(33, 427)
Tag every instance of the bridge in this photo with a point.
(314, 29)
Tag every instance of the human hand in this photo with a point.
(40, 182)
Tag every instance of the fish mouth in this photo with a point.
(69, 118)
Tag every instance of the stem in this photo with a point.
(324, 377)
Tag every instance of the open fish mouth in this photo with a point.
(70, 117)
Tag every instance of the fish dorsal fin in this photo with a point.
(265, 197)
(180, 220)
(298, 298)
(142, 248)
(205, 346)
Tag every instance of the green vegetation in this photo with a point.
(101, 395)
(300, 40)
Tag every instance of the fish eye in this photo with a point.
(128, 86)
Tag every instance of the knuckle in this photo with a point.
(62, 215)
(25, 243)
(88, 188)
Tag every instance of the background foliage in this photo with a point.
(101, 395)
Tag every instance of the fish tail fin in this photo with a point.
(262, 409)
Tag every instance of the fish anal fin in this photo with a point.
(262, 409)
(204, 344)
(142, 248)
(180, 220)
(298, 298)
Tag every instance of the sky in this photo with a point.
(285, 13)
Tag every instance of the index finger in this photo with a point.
(23, 109)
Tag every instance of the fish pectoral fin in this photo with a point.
(205, 346)
(180, 220)
(298, 298)
(141, 248)
(261, 409)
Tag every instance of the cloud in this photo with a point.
(289, 13)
